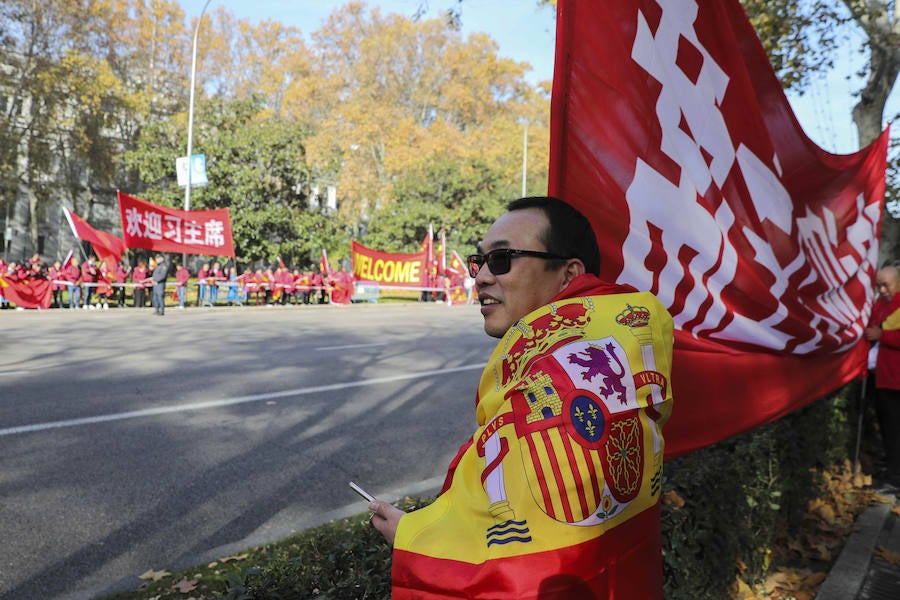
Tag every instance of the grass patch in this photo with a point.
(342, 560)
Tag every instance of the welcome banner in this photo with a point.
(670, 131)
(387, 268)
(162, 229)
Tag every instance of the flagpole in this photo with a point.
(859, 426)
(190, 131)
(78, 239)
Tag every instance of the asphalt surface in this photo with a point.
(131, 442)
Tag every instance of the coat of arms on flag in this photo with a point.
(575, 413)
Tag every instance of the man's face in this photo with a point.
(507, 298)
(888, 283)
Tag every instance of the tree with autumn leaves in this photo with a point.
(79, 78)
(406, 118)
(411, 122)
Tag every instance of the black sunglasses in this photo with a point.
(500, 261)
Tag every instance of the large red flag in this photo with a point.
(32, 292)
(108, 247)
(164, 229)
(672, 134)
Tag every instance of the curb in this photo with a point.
(846, 577)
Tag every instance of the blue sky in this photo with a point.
(526, 33)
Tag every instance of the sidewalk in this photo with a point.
(860, 573)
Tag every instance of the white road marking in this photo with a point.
(352, 346)
(163, 410)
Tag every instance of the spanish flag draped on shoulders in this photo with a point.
(557, 493)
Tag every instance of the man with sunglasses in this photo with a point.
(557, 493)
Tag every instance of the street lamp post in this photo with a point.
(190, 136)
(524, 158)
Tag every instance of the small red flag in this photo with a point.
(108, 247)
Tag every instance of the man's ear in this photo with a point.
(574, 268)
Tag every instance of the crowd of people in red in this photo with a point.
(92, 285)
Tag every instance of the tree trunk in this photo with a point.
(881, 27)
(33, 219)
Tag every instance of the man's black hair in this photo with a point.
(570, 233)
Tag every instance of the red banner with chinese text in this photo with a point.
(162, 229)
(670, 131)
(388, 268)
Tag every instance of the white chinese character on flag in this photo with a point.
(133, 223)
(214, 233)
(696, 137)
(172, 228)
(153, 225)
(192, 233)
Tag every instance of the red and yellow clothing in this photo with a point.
(887, 368)
(557, 493)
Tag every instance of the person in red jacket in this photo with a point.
(215, 277)
(202, 285)
(72, 274)
(89, 275)
(3, 301)
(342, 287)
(182, 275)
(139, 278)
(122, 272)
(883, 332)
(104, 286)
(55, 275)
(287, 284)
(317, 283)
(296, 285)
(303, 286)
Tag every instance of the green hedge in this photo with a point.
(741, 494)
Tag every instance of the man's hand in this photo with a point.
(873, 334)
(385, 518)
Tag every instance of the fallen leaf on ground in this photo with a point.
(742, 591)
(184, 586)
(827, 514)
(234, 557)
(154, 575)
(862, 480)
(887, 555)
(672, 497)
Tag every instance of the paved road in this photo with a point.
(130, 442)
